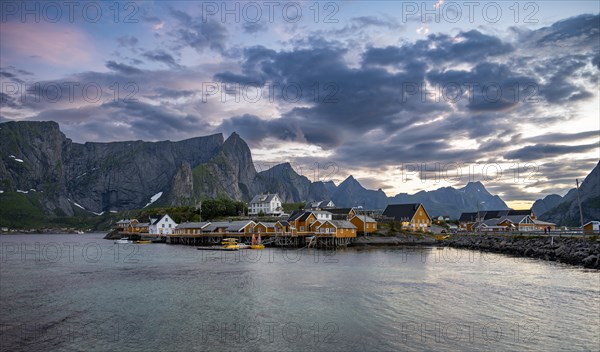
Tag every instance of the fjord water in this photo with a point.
(83, 293)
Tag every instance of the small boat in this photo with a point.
(143, 241)
(256, 243)
(124, 240)
(243, 246)
(218, 248)
(229, 241)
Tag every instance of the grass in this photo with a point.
(18, 210)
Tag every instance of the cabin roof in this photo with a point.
(229, 226)
(344, 211)
(363, 218)
(402, 211)
(267, 224)
(263, 198)
(193, 225)
(340, 224)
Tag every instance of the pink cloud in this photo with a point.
(54, 44)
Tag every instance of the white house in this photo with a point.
(321, 204)
(269, 204)
(322, 215)
(162, 226)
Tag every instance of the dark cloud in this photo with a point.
(161, 56)
(199, 34)
(578, 30)
(471, 46)
(10, 73)
(254, 27)
(167, 93)
(563, 137)
(357, 26)
(125, 120)
(541, 151)
(353, 100)
(494, 87)
(122, 68)
(8, 101)
(127, 41)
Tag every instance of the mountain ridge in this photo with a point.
(115, 176)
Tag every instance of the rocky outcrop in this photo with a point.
(350, 193)
(283, 180)
(182, 187)
(542, 206)
(37, 157)
(569, 250)
(393, 241)
(566, 213)
(230, 172)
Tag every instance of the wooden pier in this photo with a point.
(269, 239)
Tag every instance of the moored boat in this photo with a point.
(230, 243)
(256, 243)
(124, 240)
(218, 248)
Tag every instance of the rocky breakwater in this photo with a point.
(398, 240)
(570, 250)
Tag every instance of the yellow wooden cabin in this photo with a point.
(412, 217)
(337, 228)
(303, 221)
(360, 220)
(592, 228)
(265, 228)
(190, 228)
(283, 226)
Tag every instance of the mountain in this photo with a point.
(541, 206)
(37, 157)
(351, 193)
(42, 169)
(566, 213)
(229, 172)
(452, 202)
(283, 180)
(39, 165)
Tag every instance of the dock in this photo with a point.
(269, 239)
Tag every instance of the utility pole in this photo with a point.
(365, 221)
(199, 207)
(580, 209)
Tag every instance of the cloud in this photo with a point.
(564, 137)
(127, 41)
(69, 46)
(122, 68)
(198, 34)
(161, 56)
(541, 151)
(254, 27)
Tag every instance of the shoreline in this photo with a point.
(568, 250)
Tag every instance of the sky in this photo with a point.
(405, 96)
